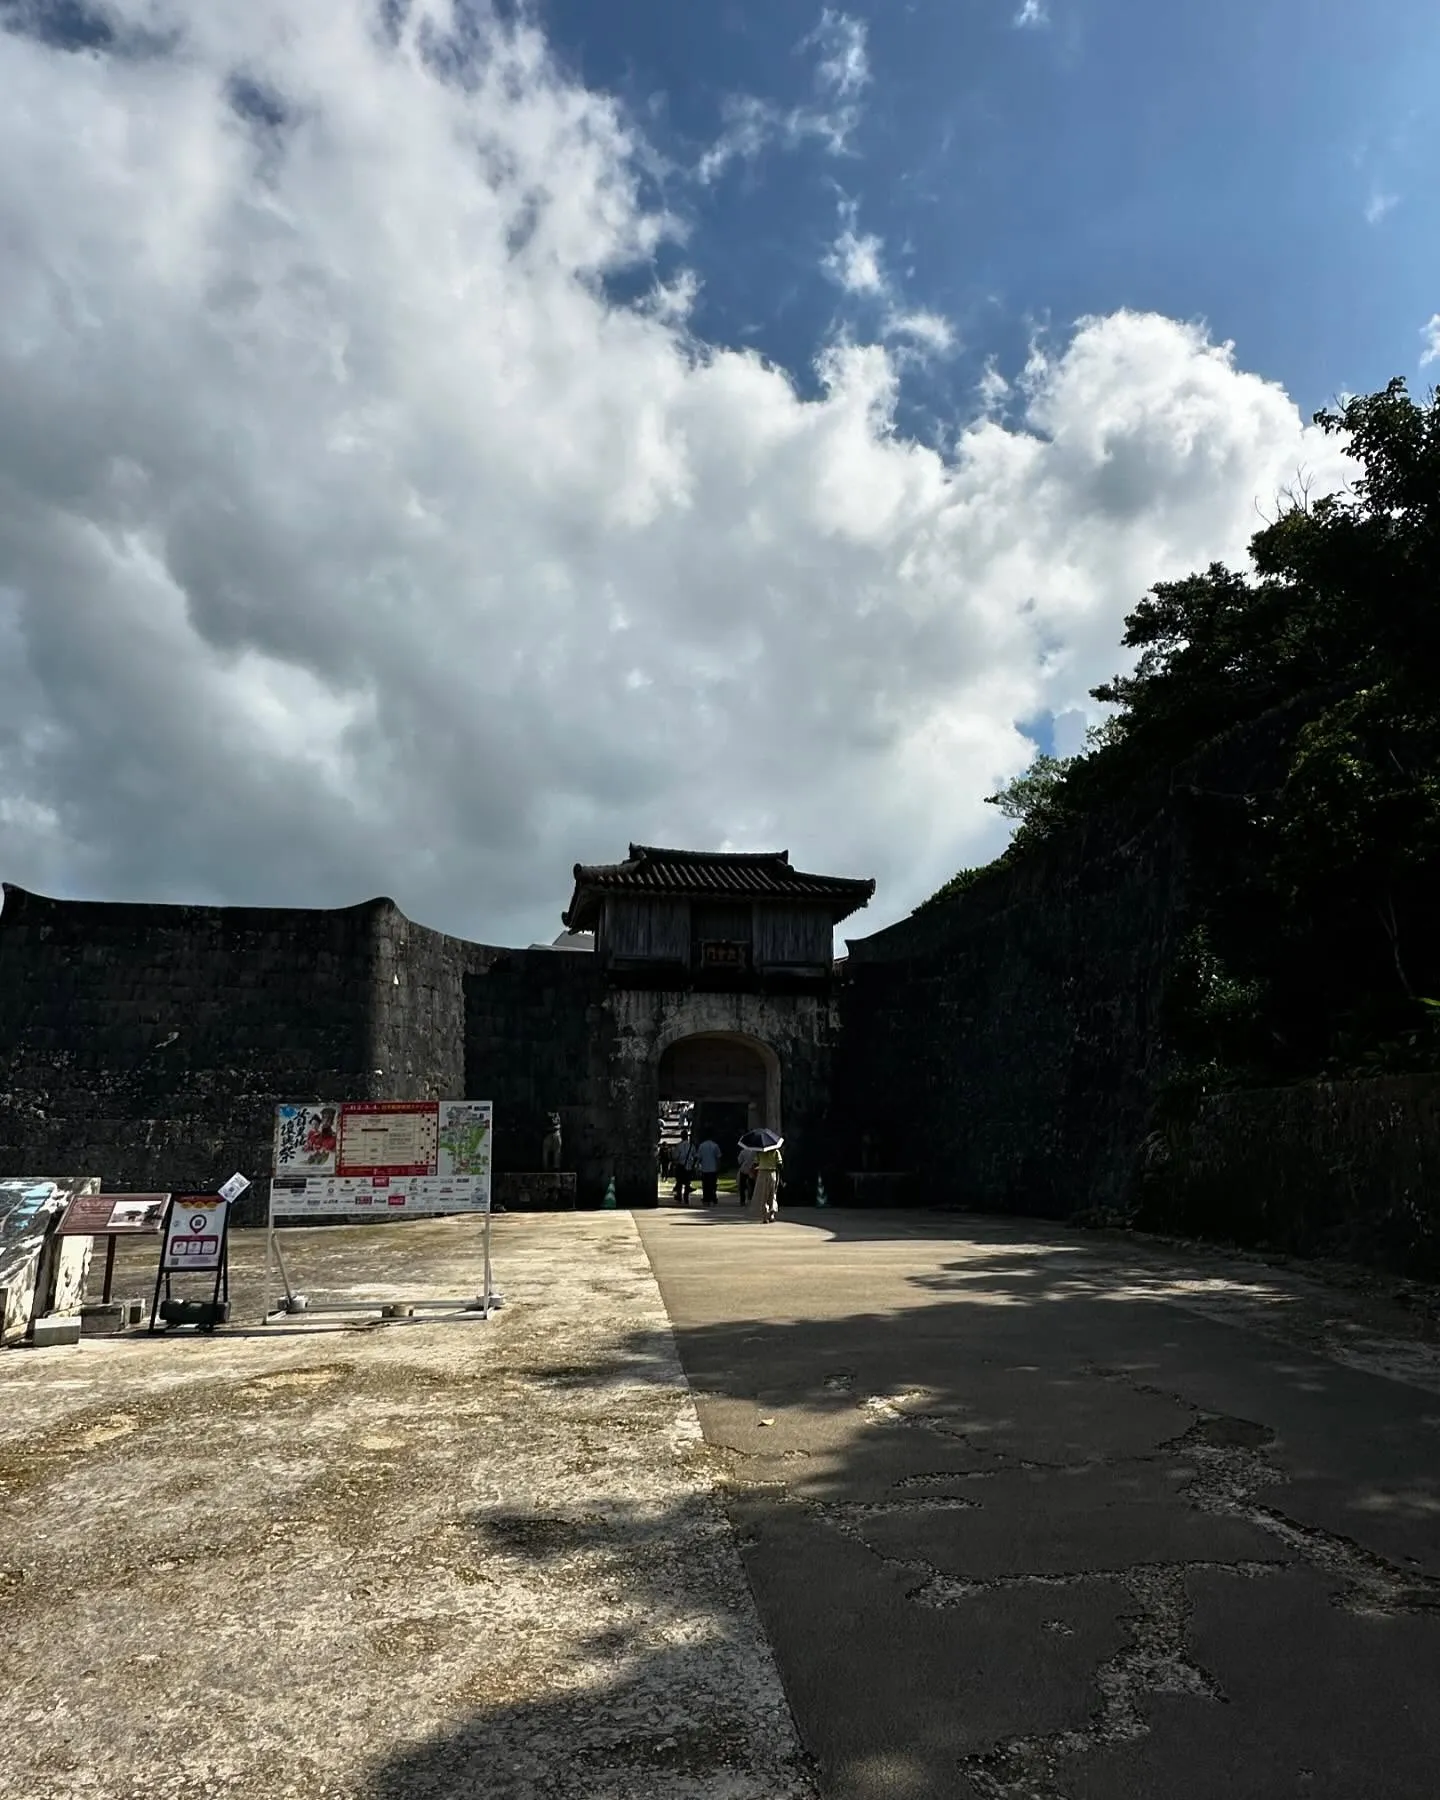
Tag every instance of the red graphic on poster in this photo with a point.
(389, 1137)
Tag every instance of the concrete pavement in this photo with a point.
(1030, 1514)
(332, 1559)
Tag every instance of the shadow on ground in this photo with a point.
(1024, 1516)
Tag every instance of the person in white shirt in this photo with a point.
(707, 1157)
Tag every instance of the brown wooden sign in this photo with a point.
(114, 1215)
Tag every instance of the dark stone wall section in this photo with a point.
(150, 1044)
(1007, 1046)
(1004, 1048)
(1346, 1168)
(536, 1042)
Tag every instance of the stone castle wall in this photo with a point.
(150, 1044)
(1007, 1044)
(1003, 1047)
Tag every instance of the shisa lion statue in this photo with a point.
(550, 1145)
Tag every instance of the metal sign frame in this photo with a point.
(220, 1295)
(322, 1174)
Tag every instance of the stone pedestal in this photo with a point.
(55, 1328)
(538, 1190)
(107, 1318)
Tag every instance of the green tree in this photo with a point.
(1316, 896)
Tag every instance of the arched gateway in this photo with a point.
(719, 977)
(731, 1080)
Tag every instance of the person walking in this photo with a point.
(707, 1158)
(684, 1165)
(764, 1197)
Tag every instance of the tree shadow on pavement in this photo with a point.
(1020, 1518)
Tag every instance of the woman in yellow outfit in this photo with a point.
(764, 1202)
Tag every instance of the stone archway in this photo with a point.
(724, 1068)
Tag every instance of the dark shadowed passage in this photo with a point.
(1028, 1514)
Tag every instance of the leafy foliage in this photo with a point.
(1315, 895)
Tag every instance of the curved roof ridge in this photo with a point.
(660, 853)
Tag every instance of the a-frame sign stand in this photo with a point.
(195, 1240)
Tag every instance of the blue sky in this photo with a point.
(1270, 166)
(438, 451)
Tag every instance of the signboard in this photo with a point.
(232, 1189)
(374, 1159)
(114, 1215)
(194, 1234)
(721, 953)
(37, 1275)
(389, 1137)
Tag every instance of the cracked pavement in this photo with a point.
(1036, 1515)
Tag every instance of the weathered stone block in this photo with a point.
(55, 1329)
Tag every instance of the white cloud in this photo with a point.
(751, 125)
(930, 331)
(352, 542)
(992, 388)
(854, 262)
(1032, 15)
(844, 65)
(1430, 331)
(1378, 205)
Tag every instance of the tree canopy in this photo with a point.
(1314, 948)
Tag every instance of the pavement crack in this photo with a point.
(1372, 1586)
(953, 1590)
(1154, 1661)
(1230, 1470)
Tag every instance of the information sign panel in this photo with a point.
(388, 1137)
(366, 1161)
(114, 1215)
(194, 1234)
(374, 1159)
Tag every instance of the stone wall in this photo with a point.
(149, 1044)
(1004, 1046)
(537, 1042)
(1349, 1169)
(152, 1043)
(1007, 1044)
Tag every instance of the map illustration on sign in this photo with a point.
(464, 1141)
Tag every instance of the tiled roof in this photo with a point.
(719, 874)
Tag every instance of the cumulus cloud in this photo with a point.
(1430, 332)
(1031, 15)
(353, 541)
(1378, 205)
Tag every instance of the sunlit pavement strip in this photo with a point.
(448, 1558)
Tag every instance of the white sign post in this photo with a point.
(366, 1162)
